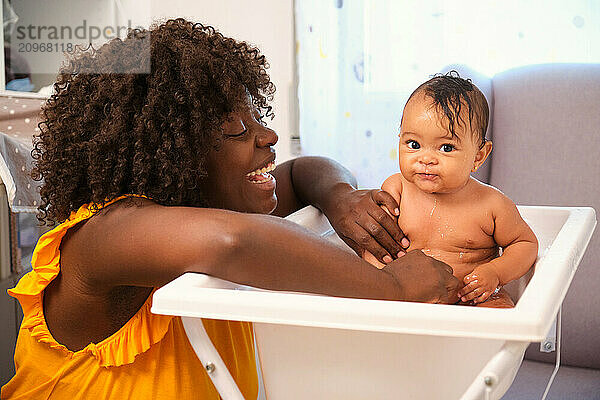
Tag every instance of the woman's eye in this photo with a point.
(242, 133)
(447, 148)
(413, 145)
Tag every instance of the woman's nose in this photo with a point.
(266, 137)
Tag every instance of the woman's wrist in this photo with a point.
(331, 199)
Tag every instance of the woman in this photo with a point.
(158, 174)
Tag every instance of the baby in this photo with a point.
(445, 212)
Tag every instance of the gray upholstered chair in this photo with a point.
(545, 126)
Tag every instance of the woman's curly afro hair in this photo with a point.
(106, 132)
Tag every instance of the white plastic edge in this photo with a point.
(529, 321)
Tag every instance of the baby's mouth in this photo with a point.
(426, 176)
(261, 175)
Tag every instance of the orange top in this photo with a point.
(148, 358)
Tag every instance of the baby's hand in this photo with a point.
(479, 284)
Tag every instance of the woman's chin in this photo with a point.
(272, 206)
(261, 197)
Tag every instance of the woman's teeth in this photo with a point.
(261, 175)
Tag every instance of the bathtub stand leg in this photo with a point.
(545, 348)
(210, 358)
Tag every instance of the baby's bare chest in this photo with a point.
(459, 234)
(435, 223)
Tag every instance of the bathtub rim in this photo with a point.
(198, 295)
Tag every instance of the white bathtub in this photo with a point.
(320, 347)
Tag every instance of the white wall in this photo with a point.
(267, 24)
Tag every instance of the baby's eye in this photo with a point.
(447, 148)
(413, 145)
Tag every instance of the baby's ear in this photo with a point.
(482, 154)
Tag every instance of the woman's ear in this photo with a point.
(482, 154)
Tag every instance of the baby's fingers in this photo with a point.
(471, 294)
(486, 295)
(471, 278)
(468, 288)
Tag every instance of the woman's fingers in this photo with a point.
(390, 224)
(377, 226)
(353, 245)
(383, 198)
(365, 225)
(365, 239)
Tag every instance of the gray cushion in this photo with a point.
(570, 383)
(547, 152)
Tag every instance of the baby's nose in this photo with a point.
(427, 158)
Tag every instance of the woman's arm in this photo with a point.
(149, 245)
(356, 215)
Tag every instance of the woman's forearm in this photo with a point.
(283, 256)
(150, 245)
(319, 189)
(310, 180)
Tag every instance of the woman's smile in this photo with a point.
(262, 176)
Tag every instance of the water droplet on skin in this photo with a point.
(434, 206)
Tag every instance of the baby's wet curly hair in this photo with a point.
(449, 92)
(106, 132)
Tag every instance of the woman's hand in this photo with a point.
(480, 284)
(424, 279)
(355, 215)
(360, 220)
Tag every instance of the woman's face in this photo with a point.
(238, 170)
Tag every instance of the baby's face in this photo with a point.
(428, 155)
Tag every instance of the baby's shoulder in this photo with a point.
(491, 197)
(393, 184)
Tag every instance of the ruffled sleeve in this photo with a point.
(45, 262)
(142, 331)
(138, 334)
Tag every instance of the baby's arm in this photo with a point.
(519, 252)
(392, 185)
